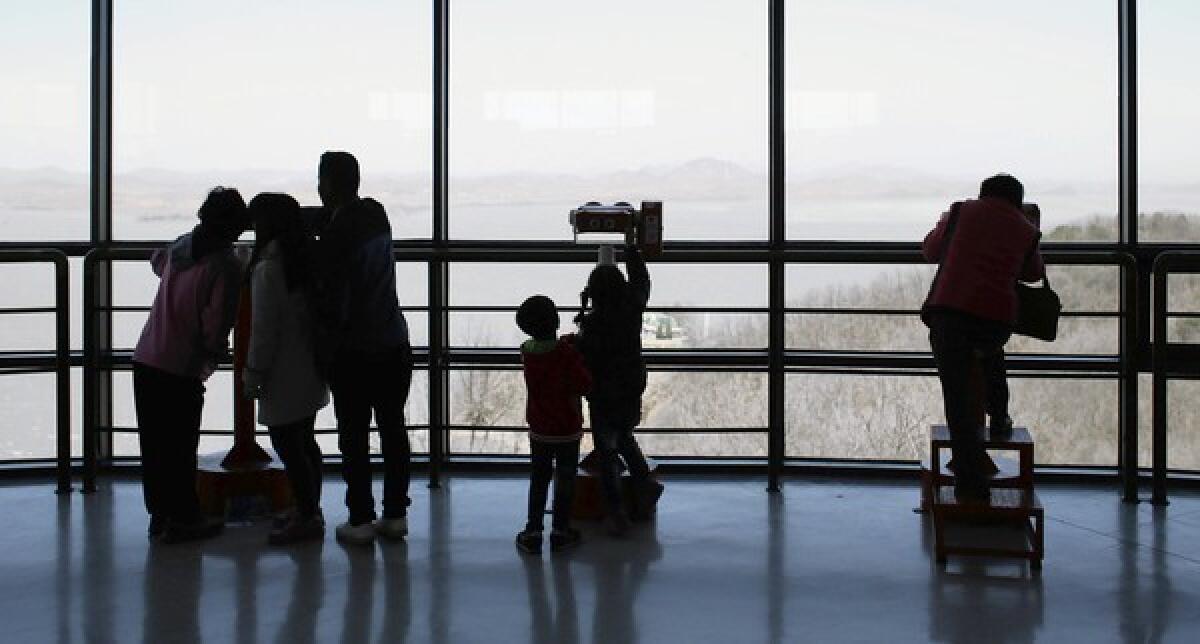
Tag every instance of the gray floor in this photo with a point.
(725, 562)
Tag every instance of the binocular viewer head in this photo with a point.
(620, 222)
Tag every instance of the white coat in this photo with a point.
(281, 347)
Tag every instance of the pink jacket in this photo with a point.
(993, 246)
(187, 332)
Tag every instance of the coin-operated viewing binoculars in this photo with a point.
(619, 223)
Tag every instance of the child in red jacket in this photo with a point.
(555, 379)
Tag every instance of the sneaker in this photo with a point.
(158, 526)
(359, 535)
(297, 530)
(530, 542)
(396, 528)
(181, 532)
(565, 539)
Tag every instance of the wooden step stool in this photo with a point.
(589, 503)
(1007, 505)
(1010, 474)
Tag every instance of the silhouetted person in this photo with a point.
(555, 378)
(984, 246)
(610, 339)
(281, 368)
(363, 346)
(185, 336)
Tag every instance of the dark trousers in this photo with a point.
(296, 445)
(362, 385)
(957, 343)
(168, 411)
(558, 461)
(612, 433)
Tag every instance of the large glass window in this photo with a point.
(249, 95)
(44, 121)
(1168, 141)
(1074, 421)
(558, 103)
(896, 109)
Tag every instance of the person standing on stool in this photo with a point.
(983, 246)
(363, 347)
(610, 339)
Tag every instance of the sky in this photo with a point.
(944, 87)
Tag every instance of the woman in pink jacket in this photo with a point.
(185, 336)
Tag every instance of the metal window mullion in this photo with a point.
(98, 291)
(438, 269)
(776, 444)
(1132, 306)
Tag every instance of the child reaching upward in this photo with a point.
(555, 378)
(610, 339)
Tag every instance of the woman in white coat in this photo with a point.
(281, 371)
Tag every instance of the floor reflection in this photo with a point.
(764, 569)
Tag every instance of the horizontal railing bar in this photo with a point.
(512, 429)
(28, 310)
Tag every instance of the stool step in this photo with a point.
(1018, 438)
(1007, 501)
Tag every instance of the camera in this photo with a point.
(641, 227)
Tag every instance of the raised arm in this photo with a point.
(158, 261)
(220, 309)
(639, 277)
(935, 242)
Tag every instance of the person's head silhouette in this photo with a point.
(538, 317)
(224, 213)
(1003, 186)
(337, 178)
(606, 287)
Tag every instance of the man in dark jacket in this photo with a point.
(610, 339)
(984, 246)
(363, 347)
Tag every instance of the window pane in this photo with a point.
(815, 288)
(672, 285)
(621, 100)
(29, 415)
(680, 401)
(44, 120)
(896, 109)
(1168, 98)
(202, 99)
(1074, 421)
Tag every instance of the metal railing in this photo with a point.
(59, 361)
(443, 358)
(1170, 360)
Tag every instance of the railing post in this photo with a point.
(62, 369)
(1158, 463)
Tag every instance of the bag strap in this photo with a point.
(1033, 249)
